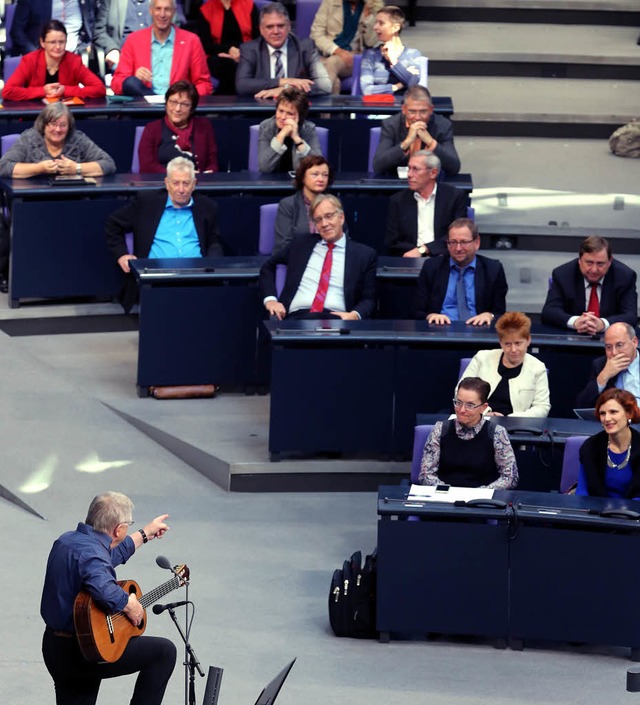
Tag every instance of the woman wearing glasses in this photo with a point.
(519, 382)
(287, 137)
(468, 451)
(51, 72)
(610, 460)
(178, 134)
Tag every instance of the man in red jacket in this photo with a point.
(154, 58)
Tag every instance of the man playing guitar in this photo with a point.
(84, 560)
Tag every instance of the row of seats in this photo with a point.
(570, 459)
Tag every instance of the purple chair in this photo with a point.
(323, 139)
(421, 434)
(267, 236)
(281, 275)
(571, 462)
(9, 11)
(464, 363)
(374, 141)
(10, 65)
(8, 141)
(352, 84)
(135, 159)
(305, 14)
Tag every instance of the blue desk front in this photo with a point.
(547, 566)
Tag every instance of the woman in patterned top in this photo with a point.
(468, 451)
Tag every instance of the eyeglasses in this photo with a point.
(328, 217)
(459, 243)
(128, 523)
(469, 406)
(178, 104)
(621, 345)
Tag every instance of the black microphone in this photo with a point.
(159, 609)
(163, 562)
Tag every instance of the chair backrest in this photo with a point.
(571, 461)
(464, 363)
(8, 21)
(8, 141)
(305, 14)
(267, 236)
(471, 213)
(254, 130)
(355, 75)
(423, 65)
(135, 160)
(374, 141)
(10, 65)
(421, 433)
(281, 275)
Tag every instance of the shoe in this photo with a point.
(4, 285)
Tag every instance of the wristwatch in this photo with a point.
(422, 250)
(78, 169)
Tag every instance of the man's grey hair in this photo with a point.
(181, 164)
(109, 509)
(173, 2)
(431, 161)
(274, 8)
(418, 93)
(321, 197)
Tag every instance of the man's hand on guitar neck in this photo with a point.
(134, 610)
(155, 529)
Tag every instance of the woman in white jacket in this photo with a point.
(519, 382)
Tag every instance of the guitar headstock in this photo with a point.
(182, 573)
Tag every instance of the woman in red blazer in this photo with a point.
(52, 72)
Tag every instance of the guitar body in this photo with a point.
(102, 636)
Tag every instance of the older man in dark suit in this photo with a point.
(327, 274)
(419, 217)
(279, 59)
(165, 224)
(416, 127)
(464, 286)
(591, 292)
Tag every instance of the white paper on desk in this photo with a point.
(427, 493)
(155, 99)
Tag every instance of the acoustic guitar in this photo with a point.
(104, 637)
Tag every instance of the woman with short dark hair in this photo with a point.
(287, 137)
(179, 134)
(51, 72)
(313, 176)
(610, 460)
(468, 451)
(54, 147)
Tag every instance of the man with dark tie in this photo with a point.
(328, 274)
(419, 216)
(464, 286)
(591, 292)
(279, 59)
(620, 366)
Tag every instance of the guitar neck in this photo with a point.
(158, 593)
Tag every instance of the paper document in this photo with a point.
(155, 99)
(427, 493)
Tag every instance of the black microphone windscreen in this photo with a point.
(163, 562)
(158, 609)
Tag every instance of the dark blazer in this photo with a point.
(566, 296)
(31, 15)
(253, 74)
(142, 215)
(490, 286)
(589, 395)
(593, 456)
(402, 219)
(359, 273)
(390, 155)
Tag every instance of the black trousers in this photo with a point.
(77, 681)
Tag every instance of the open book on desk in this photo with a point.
(432, 493)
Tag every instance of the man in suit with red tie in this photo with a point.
(591, 292)
(328, 274)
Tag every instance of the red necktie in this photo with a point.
(594, 304)
(323, 285)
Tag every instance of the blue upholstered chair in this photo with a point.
(305, 14)
(464, 363)
(10, 65)
(8, 140)
(135, 160)
(571, 462)
(374, 141)
(421, 433)
(267, 235)
(323, 138)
